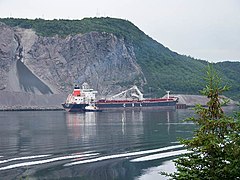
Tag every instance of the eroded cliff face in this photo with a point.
(46, 65)
(8, 48)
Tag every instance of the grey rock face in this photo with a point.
(105, 62)
(8, 48)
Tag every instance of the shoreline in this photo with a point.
(31, 109)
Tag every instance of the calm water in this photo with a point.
(94, 145)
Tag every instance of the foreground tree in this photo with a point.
(215, 146)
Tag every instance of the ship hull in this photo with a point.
(121, 105)
(74, 107)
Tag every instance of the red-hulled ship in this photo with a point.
(84, 99)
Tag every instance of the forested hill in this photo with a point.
(162, 68)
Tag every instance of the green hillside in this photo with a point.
(163, 69)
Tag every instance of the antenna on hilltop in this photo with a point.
(97, 13)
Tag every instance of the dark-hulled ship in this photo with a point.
(82, 100)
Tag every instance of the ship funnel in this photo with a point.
(76, 91)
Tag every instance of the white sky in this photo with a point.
(204, 29)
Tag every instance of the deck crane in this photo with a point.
(133, 93)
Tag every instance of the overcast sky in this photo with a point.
(203, 29)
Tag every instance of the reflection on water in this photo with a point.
(93, 145)
(81, 125)
(153, 172)
(31, 132)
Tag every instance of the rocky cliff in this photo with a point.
(38, 65)
(47, 57)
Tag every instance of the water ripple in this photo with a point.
(123, 155)
(160, 156)
(30, 163)
(23, 158)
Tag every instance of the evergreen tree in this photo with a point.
(215, 146)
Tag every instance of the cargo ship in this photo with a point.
(83, 100)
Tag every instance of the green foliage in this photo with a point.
(163, 69)
(213, 91)
(215, 147)
(230, 73)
